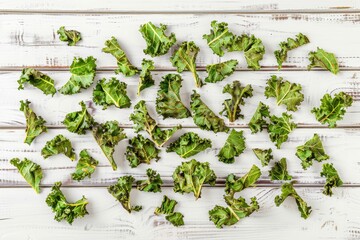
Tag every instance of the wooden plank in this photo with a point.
(340, 144)
(25, 44)
(334, 217)
(108, 6)
(54, 109)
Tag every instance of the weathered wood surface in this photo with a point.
(24, 43)
(342, 145)
(25, 215)
(108, 6)
(54, 109)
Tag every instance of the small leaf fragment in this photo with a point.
(167, 207)
(152, 184)
(69, 36)
(279, 171)
(145, 78)
(234, 184)
(85, 166)
(332, 178)
(264, 155)
(189, 144)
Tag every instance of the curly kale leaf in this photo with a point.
(257, 122)
(30, 171)
(279, 171)
(168, 101)
(252, 47)
(280, 128)
(158, 43)
(333, 109)
(34, 124)
(312, 150)
(232, 108)
(287, 190)
(38, 80)
(284, 92)
(189, 144)
(85, 166)
(184, 59)
(141, 150)
(191, 176)
(219, 38)
(83, 72)
(121, 191)
(112, 92)
(218, 72)
(144, 122)
(124, 65)
(70, 36)
(80, 121)
(236, 210)
(146, 79)
(234, 184)
(204, 117)
(167, 207)
(332, 178)
(108, 135)
(152, 184)
(290, 44)
(58, 145)
(323, 59)
(62, 208)
(264, 155)
(233, 147)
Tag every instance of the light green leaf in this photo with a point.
(219, 37)
(279, 171)
(189, 144)
(30, 171)
(279, 128)
(141, 150)
(38, 80)
(332, 178)
(264, 155)
(146, 79)
(234, 184)
(257, 122)
(58, 145)
(233, 147)
(70, 36)
(152, 184)
(218, 72)
(85, 166)
(323, 59)
(80, 121)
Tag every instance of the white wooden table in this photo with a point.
(28, 38)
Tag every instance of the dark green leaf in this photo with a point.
(279, 171)
(85, 166)
(158, 43)
(280, 128)
(176, 219)
(30, 171)
(323, 59)
(152, 184)
(70, 36)
(333, 109)
(62, 208)
(290, 44)
(311, 150)
(191, 176)
(287, 189)
(82, 75)
(121, 191)
(80, 121)
(144, 122)
(332, 178)
(34, 124)
(38, 80)
(264, 155)
(184, 59)
(284, 92)
(257, 121)
(234, 184)
(141, 150)
(168, 101)
(58, 145)
(167, 206)
(124, 65)
(204, 117)
(219, 37)
(252, 47)
(112, 92)
(236, 210)
(218, 72)
(146, 79)
(108, 135)
(232, 108)
(189, 144)
(233, 147)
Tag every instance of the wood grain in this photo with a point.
(340, 144)
(54, 109)
(332, 218)
(24, 43)
(108, 6)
